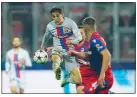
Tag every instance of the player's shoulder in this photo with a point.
(23, 50)
(9, 51)
(51, 23)
(68, 19)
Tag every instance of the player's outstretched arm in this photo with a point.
(78, 54)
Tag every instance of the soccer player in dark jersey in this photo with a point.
(99, 58)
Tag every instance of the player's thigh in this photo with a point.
(55, 55)
(72, 66)
(75, 75)
(90, 84)
(75, 72)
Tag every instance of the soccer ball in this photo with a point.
(40, 57)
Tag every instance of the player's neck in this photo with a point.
(90, 32)
(16, 49)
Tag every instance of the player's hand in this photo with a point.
(69, 42)
(83, 62)
(22, 62)
(72, 53)
(101, 80)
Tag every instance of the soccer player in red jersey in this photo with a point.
(101, 77)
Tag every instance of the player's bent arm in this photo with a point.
(45, 39)
(7, 63)
(78, 54)
(76, 32)
(82, 54)
(106, 61)
(28, 60)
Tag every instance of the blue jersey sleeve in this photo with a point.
(98, 44)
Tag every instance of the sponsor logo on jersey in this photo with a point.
(97, 45)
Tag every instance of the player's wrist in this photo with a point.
(102, 74)
(74, 41)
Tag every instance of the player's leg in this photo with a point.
(72, 66)
(21, 91)
(21, 84)
(14, 89)
(75, 75)
(56, 62)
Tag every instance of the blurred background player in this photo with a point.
(99, 58)
(16, 60)
(65, 34)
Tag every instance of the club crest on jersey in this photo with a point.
(97, 45)
(66, 30)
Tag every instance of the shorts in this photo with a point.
(69, 61)
(89, 83)
(19, 83)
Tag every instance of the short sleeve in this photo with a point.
(98, 44)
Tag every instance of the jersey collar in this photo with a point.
(93, 34)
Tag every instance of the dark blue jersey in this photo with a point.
(97, 44)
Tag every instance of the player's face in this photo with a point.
(16, 42)
(85, 27)
(58, 18)
(86, 30)
(83, 34)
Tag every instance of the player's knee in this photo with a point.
(14, 89)
(80, 90)
(55, 57)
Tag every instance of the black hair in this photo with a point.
(56, 9)
(89, 21)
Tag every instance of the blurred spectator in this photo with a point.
(16, 26)
(27, 35)
(83, 17)
(133, 20)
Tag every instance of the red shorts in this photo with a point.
(89, 82)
